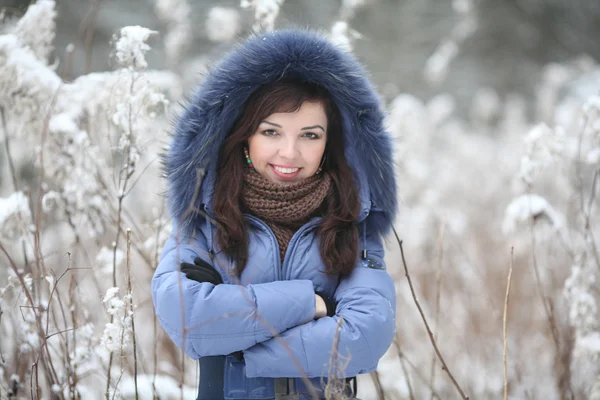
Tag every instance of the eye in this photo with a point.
(269, 132)
(311, 135)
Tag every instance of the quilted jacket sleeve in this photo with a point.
(366, 302)
(204, 319)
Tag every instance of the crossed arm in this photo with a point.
(274, 322)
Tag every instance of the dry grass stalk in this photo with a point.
(504, 320)
(431, 338)
(564, 377)
(378, 387)
(334, 389)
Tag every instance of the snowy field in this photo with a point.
(498, 220)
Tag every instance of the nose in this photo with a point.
(288, 149)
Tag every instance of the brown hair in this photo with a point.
(338, 231)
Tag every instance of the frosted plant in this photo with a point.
(139, 102)
(27, 86)
(162, 228)
(485, 106)
(583, 310)
(28, 335)
(411, 128)
(523, 208)
(35, 29)
(438, 63)
(579, 296)
(105, 259)
(131, 46)
(591, 130)
(436, 67)
(15, 216)
(117, 334)
(132, 117)
(343, 36)
(222, 24)
(349, 8)
(554, 78)
(75, 167)
(542, 146)
(265, 13)
(176, 15)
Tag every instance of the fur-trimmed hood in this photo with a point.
(190, 160)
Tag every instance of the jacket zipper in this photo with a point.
(276, 258)
(280, 273)
(293, 242)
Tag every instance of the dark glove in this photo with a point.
(201, 271)
(330, 303)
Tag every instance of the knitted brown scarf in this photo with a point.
(285, 208)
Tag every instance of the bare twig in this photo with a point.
(89, 34)
(155, 321)
(565, 374)
(124, 176)
(69, 62)
(59, 332)
(437, 303)
(416, 372)
(130, 292)
(412, 290)
(49, 369)
(504, 320)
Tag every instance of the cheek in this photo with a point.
(314, 154)
(259, 149)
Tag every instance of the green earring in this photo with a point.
(248, 160)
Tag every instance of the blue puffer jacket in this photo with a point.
(276, 297)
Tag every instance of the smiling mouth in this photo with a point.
(285, 172)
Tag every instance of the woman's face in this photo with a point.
(288, 147)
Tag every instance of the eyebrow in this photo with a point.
(313, 127)
(303, 129)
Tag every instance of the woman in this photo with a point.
(280, 185)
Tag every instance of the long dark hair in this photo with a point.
(338, 232)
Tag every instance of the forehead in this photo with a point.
(307, 112)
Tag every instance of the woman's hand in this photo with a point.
(325, 306)
(201, 271)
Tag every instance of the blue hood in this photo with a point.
(190, 160)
